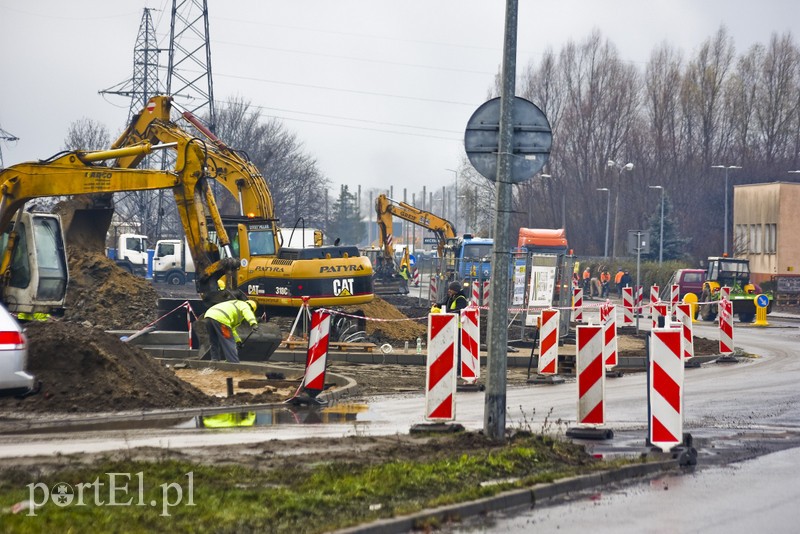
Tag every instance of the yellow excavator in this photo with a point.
(387, 270)
(243, 247)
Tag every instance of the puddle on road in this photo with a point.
(280, 415)
(284, 415)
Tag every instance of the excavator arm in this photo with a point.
(386, 208)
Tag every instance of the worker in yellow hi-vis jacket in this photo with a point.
(223, 319)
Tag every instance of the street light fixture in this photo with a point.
(661, 233)
(608, 212)
(621, 168)
(725, 222)
(563, 202)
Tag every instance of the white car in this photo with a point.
(13, 357)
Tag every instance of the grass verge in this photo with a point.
(303, 494)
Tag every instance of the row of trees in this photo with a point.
(674, 120)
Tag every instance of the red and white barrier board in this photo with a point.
(725, 293)
(317, 355)
(548, 342)
(684, 315)
(666, 388)
(656, 311)
(591, 376)
(610, 337)
(434, 287)
(627, 303)
(485, 293)
(577, 305)
(417, 277)
(674, 295)
(653, 298)
(639, 299)
(725, 311)
(470, 344)
(440, 378)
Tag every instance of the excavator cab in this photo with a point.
(37, 276)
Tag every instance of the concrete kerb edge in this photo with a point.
(526, 497)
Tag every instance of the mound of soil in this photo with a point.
(106, 296)
(87, 370)
(387, 324)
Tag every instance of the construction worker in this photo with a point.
(222, 320)
(587, 276)
(605, 280)
(405, 274)
(618, 281)
(456, 301)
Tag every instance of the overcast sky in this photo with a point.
(378, 91)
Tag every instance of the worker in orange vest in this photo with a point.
(605, 280)
(618, 281)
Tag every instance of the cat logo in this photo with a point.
(343, 288)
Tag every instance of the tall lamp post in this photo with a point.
(661, 233)
(563, 202)
(455, 218)
(725, 222)
(621, 168)
(608, 213)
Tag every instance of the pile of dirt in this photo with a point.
(106, 296)
(84, 369)
(387, 324)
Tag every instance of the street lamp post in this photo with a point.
(627, 167)
(608, 213)
(725, 222)
(455, 215)
(661, 233)
(563, 202)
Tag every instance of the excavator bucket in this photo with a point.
(86, 220)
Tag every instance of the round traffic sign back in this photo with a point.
(531, 141)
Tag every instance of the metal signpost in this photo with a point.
(638, 243)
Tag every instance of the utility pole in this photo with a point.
(494, 415)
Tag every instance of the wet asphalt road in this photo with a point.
(721, 401)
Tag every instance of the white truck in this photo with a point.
(130, 253)
(173, 262)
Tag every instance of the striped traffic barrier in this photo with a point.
(657, 311)
(577, 305)
(653, 298)
(475, 294)
(725, 293)
(485, 295)
(639, 298)
(440, 377)
(666, 389)
(609, 323)
(674, 295)
(470, 344)
(417, 277)
(590, 375)
(548, 342)
(684, 316)
(627, 303)
(725, 326)
(433, 293)
(316, 359)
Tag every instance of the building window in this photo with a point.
(770, 239)
(758, 239)
(740, 239)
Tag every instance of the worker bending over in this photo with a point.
(223, 320)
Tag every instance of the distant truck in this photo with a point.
(172, 262)
(130, 253)
(688, 281)
(468, 258)
(300, 237)
(543, 240)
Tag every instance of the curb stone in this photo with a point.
(527, 497)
